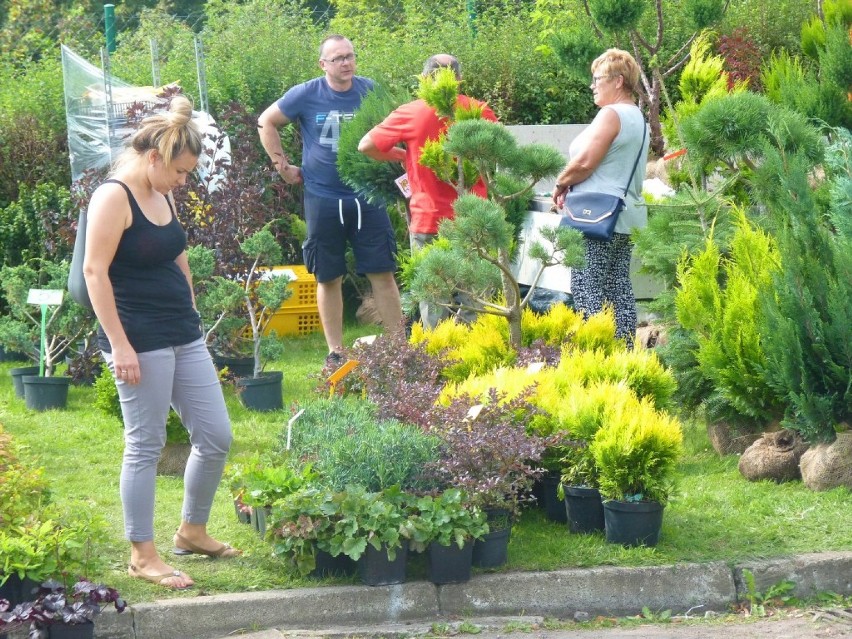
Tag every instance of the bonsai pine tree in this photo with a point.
(474, 251)
(20, 329)
(257, 296)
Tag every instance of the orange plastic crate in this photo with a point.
(295, 322)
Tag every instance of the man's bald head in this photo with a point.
(442, 61)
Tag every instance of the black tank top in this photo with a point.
(151, 292)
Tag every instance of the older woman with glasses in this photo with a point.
(601, 160)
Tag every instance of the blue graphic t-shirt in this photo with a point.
(319, 110)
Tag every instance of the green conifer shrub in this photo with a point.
(806, 311)
(717, 301)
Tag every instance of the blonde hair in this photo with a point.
(170, 133)
(614, 62)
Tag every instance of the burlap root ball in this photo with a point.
(729, 441)
(827, 466)
(774, 456)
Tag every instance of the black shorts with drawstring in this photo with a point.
(332, 223)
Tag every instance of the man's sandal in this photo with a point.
(158, 580)
(184, 546)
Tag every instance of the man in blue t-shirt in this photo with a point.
(334, 213)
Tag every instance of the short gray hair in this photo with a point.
(442, 61)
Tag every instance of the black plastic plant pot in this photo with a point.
(554, 507)
(329, 566)
(45, 393)
(375, 569)
(18, 374)
(584, 508)
(262, 393)
(259, 516)
(492, 551)
(449, 564)
(237, 366)
(633, 523)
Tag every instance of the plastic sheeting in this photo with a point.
(98, 118)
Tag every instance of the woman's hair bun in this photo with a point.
(180, 110)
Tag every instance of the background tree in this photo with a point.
(659, 43)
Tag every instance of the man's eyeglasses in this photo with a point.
(341, 59)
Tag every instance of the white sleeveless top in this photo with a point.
(612, 173)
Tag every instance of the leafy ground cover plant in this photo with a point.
(380, 519)
(302, 523)
(53, 604)
(449, 518)
(258, 482)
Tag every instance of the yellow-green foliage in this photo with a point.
(468, 348)
(704, 74)
(433, 156)
(440, 89)
(23, 488)
(472, 111)
(509, 383)
(718, 301)
(597, 333)
(640, 370)
(582, 411)
(581, 415)
(636, 451)
(551, 327)
(582, 378)
(483, 345)
(703, 77)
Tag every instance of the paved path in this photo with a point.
(798, 625)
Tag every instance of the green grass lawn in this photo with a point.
(714, 515)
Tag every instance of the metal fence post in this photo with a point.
(109, 27)
(155, 62)
(202, 74)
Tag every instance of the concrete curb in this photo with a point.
(557, 594)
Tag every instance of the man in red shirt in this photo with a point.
(431, 198)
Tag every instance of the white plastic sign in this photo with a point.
(47, 296)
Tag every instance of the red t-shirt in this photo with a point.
(414, 123)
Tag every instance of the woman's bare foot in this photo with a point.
(192, 539)
(145, 563)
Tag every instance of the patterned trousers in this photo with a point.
(606, 280)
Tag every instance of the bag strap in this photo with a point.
(638, 155)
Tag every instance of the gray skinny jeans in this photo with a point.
(183, 377)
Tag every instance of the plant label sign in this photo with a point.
(45, 296)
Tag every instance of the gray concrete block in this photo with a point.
(216, 616)
(604, 591)
(812, 573)
(113, 625)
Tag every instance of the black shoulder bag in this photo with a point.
(595, 214)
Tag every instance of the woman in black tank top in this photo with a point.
(140, 287)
